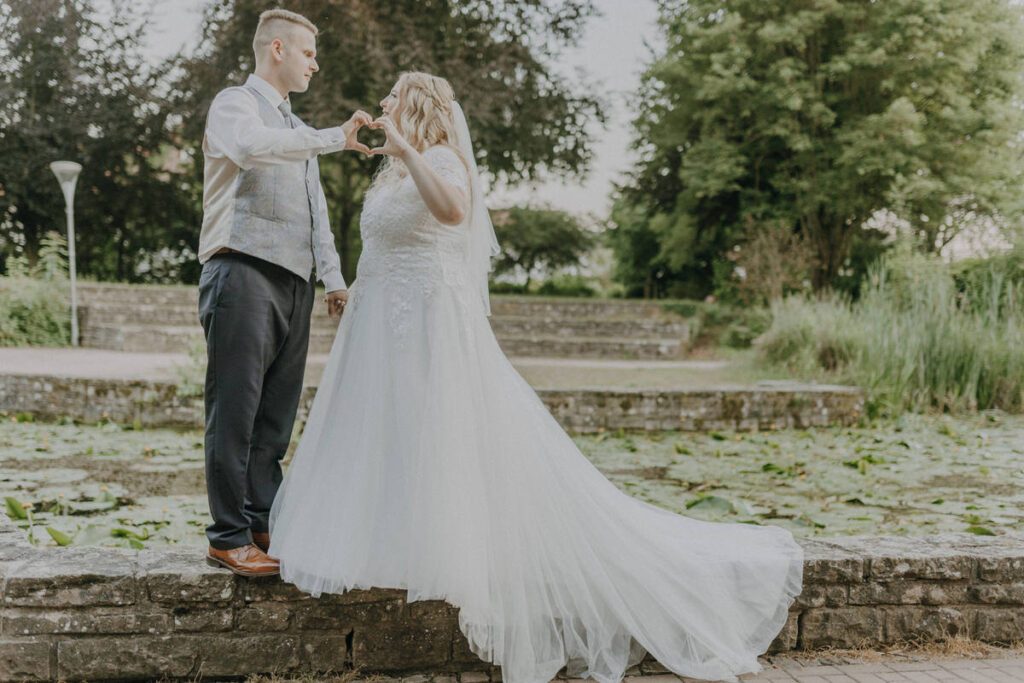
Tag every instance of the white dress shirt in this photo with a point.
(237, 139)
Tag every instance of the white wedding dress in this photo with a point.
(429, 464)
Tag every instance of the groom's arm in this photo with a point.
(235, 130)
(328, 263)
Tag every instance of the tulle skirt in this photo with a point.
(428, 464)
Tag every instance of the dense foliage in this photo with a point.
(73, 86)
(923, 335)
(817, 115)
(538, 241)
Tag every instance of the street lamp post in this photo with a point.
(67, 175)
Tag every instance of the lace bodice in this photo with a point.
(407, 251)
(400, 234)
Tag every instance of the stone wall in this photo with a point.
(154, 318)
(159, 404)
(100, 614)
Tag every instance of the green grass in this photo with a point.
(914, 339)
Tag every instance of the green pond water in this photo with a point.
(107, 485)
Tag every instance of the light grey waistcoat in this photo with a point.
(275, 215)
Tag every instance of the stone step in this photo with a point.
(169, 338)
(501, 305)
(160, 295)
(535, 306)
(591, 347)
(176, 338)
(649, 329)
(138, 314)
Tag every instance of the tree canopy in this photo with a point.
(533, 238)
(526, 120)
(76, 86)
(818, 114)
(73, 87)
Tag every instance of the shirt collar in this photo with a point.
(268, 91)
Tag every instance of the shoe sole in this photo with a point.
(214, 562)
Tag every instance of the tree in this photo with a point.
(817, 114)
(72, 87)
(525, 119)
(533, 239)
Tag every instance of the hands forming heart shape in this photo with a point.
(394, 144)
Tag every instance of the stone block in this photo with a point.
(788, 637)
(908, 593)
(403, 646)
(149, 657)
(1002, 569)
(177, 576)
(73, 577)
(997, 593)
(942, 568)
(202, 618)
(24, 660)
(822, 595)
(239, 656)
(325, 653)
(843, 627)
(320, 616)
(266, 616)
(271, 588)
(431, 609)
(998, 624)
(102, 620)
(372, 613)
(925, 623)
(830, 563)
(14, 545)
(359, 596)
(650, 666)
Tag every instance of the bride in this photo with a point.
(429, 464)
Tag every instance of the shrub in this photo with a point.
(34, 309)
(566, 285)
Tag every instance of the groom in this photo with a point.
(265, 229)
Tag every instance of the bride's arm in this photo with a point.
(445, 201)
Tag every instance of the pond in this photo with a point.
(110, 485)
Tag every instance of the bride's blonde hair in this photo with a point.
(425, 118)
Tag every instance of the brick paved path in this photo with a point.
(1003, 670)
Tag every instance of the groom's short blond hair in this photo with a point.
(278, 23)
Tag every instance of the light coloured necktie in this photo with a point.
(286, 109)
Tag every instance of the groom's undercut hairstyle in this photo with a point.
(278, 23)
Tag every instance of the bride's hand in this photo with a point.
(395, 145)
(351, 128)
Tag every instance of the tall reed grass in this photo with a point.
(915, 340)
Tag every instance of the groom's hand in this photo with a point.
(336, 301)
(351, 128)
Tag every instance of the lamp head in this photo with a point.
(66, 171)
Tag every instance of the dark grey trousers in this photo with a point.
(256, 319)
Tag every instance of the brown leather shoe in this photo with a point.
(247, 560)
(261, 539)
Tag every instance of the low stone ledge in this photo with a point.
(745, 408)
(103, 614)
